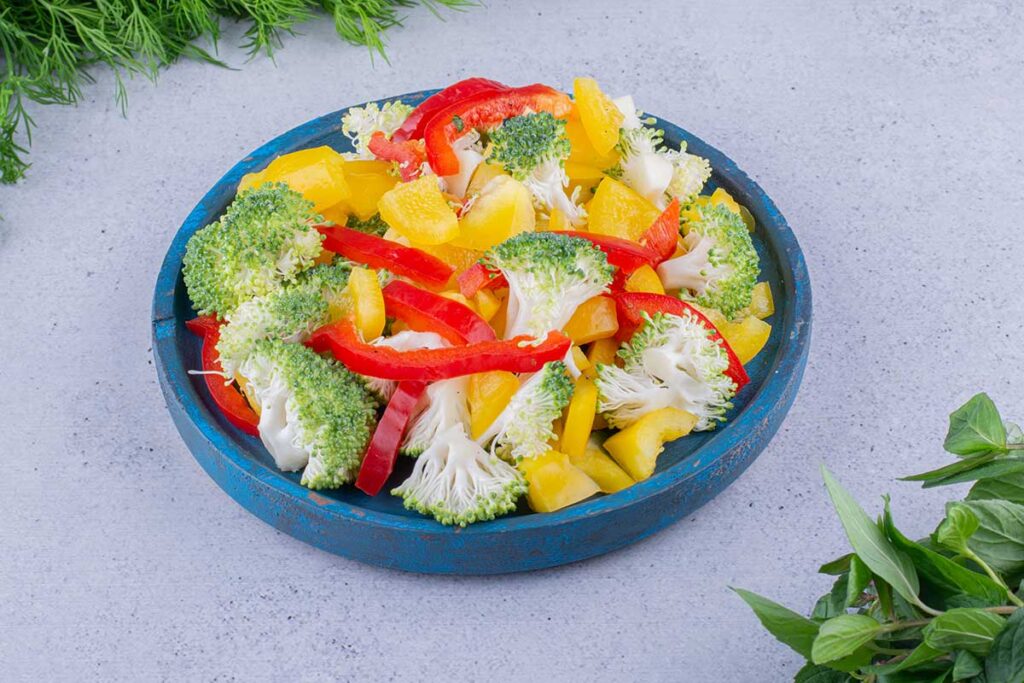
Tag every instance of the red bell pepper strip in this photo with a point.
(519, 354)
(383, 449)
(625, 255)
(377, 252)
(630, 307)
(412, 127)
(226, 396)
(477, 277)
(428, 312)
(485, 110)
(663, 234)
(409, 155)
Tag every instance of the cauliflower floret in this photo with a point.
(359, 123)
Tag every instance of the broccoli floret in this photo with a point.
(457, 482)
(446, 405)
(720, 267)
(671, 361)
(289, 314)
(689, 173)
(658, 173)
(314, 413)
(359, 123)
(549, 276)
(264, 239)
(374, 225)
(523, 428)
(533, 149)
(406, 340)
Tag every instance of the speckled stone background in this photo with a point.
(889, 133)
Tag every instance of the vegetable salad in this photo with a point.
(525, 292)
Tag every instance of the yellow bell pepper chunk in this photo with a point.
(746, 337)
(600, 117)
(601, 351)
(725, 199)
(762, 305)
(420, 212)
(367, 302)
(486, 304)
(596, 464)
(484, 174)
(500, 318)
(458, 296)
(318, 174)
(594, 319)
(554, 482)
(558, 222)
(249, 391)
(637, 447)
(579, 418)
(583, 174)
(369, 180)
(619, 211)
(581, 150)
(503, 208)
(644, 279)
(458, 258)
(487, 395)
(579, 359)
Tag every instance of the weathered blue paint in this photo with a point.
(378, 530)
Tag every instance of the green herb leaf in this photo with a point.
(999, 467)
(787, 626)
(837, 566)
(1005, 661)
(842, 636)
(966, 666)
(859, 578)
(976, 427)
(833, 604)
(1009, 488)
(999, 540)
(948, 471)
(968, 629)
(958, 526)
(920, 654)
(815, 673)
(871, 545)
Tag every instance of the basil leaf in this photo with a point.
(833, 604)
(787, 626)
(966, 666)
(968, 629)
(1014, 434)
(920, 654)
(941, 573)
(951, 469)
(1009, 487)
(975, 427)
(958, 526)
(871, 545)
(842, 636)
(815, 673)
(857, 581)
(989, 470)
(999, 540)
(838, 566)
(1005, 662)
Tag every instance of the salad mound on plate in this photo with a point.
(528, 294)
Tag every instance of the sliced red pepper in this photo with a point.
(409, 155)
(630, 307)
(412, 127)
(477, 277)
(226, 396)
(624, 254)
(428, 312)
(377, 252)
(485, 110)
(663, 234)
(380, 456)
(520, 354)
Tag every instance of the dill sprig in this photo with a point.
(47, 47)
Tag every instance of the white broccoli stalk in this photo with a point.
(458, 482)
(523, 428)
(445, 405)
(406, 340)
(360, 123)
(470, 153)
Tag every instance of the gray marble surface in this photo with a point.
(889, 133)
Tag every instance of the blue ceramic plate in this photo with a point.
(379, 530)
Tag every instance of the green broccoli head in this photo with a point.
(521, 144)
(549, 276)
(315, 415)
(374, 225)
(264, 239)
(671, 361)
(457, 482)
(523, 428)
(720, 267)
(446, 405)
(290, 313)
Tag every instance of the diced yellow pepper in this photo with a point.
(725, 199)
(602, 469)
(558, 222)
(556, 433)
(746, 337)
(619, 211)
(600, 117)
(503, 208)
(762, 305)
(483, 174)
(581, 150)
(318, 174)
(337, 214)
(583, 174)
(367, 302)
(554, 482)
(579, 418)
(748, 218)
(249, 391)
(458, 296)
(601, 351)
(458, 258)
(580, 359)
(420, 212)
(500, 317)
(486, 304)
(487, 395)
(594, 319)
(637, 447)
(369, 180)
(644, 279)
